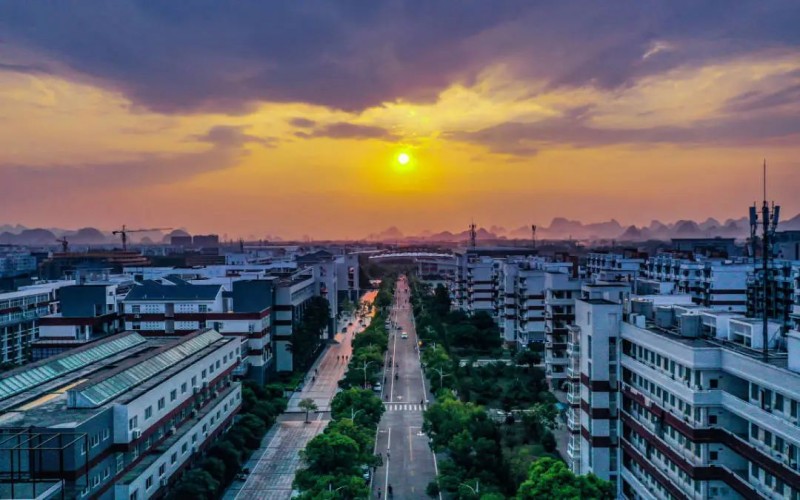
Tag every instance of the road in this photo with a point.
(273, 465)
(409, 464)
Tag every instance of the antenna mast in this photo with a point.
(473, 235)
(769, 223)
(533, 234)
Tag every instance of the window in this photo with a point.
(589, 319)
(107, 473)
(106, 434)
(194, 438)
(712, 420)
(589, 346)
(183, 387)
(203, 308)
(218, 364)
(148, 412)
(162, 469)
(133, 423)
(173, 395)
(713, 455)
(779, 401)
(173, 458)
(161, 403)
(134, 495)
(148, 483)
(194, 381)
(184, 447)
(713, 383)
(83, 447)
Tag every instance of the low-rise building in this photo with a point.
(118, 418)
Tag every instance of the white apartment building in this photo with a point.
(121, 417)
(612, 266)
(561, 290)
(19, 315)
(172, 306)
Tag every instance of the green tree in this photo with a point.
(330, 453)
(225, 451)
(196, 484)
(308, 405)
(360, 404)
(550, 478)
(527, 357)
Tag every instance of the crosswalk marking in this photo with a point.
(404, 407)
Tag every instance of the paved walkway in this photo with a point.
(273, 465)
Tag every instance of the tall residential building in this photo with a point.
(561, 290)
(118, 418)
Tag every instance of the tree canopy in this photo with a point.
(550, 478)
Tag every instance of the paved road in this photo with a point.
(409, 464)
(274, 464)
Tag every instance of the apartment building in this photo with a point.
(702, 414)
(715, 283)
(292, 294)
(88, 311)
(781, 293)
(172, 306)
(118, 418)
(561, 289)
(16, 261)
(615, 266)
(19, 313)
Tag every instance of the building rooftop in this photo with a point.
(153, 290)
(83, 393)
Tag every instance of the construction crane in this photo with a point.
(64, 244)
(124, 233)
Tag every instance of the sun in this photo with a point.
(403, 158)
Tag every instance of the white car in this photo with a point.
(404, 335)
(377, 387)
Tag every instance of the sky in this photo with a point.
(256, 118)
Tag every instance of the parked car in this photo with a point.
(404, 335)
(377, 387)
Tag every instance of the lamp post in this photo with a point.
(366, 364)
(441, 376)
(354, 413)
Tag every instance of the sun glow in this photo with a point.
(403, 158)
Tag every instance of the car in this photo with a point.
(404, 335)
(377, 387)
(365, 473)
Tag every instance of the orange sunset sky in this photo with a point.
(259, 118)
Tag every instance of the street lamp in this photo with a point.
(353, 414)
(366, 364)
(330, 488)
(441, 376)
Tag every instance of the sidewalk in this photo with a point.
(273, 465)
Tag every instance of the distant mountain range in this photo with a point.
(561, 228)
(21, 235)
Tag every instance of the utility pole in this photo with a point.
(533, 234)
(769, 223)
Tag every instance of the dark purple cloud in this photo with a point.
(302, 122)
(344, 130)
(226, 56)
(575, 129)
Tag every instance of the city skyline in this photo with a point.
(290, 119)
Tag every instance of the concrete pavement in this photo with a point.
(273, 465)
(409, 464)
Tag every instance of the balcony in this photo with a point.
(573, 396)
(573, 421)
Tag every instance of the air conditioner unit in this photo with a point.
(195, 449)
(136, 434)
(215, 394)
(173, 430)
(164, 482)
